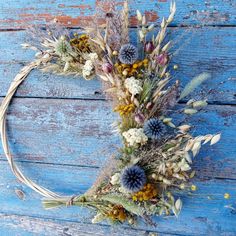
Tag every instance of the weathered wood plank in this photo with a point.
(72, 132)
(17, 14)
(200, 215)
(208, 50)
(27, 226)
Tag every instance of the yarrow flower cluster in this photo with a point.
(133, 85)
(135, 136)
(93, 56)
(88, 67)
(115, 179)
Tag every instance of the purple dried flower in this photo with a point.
(128, 54)
(139, 118)
(107, 68)
(162, 59)
(133, 178)
(149, 106)
(149, 47)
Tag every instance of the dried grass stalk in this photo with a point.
(20, 77)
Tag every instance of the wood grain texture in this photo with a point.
(205, 49)
(17, 14)
(203, 214)
(12, 224)
(72, 132)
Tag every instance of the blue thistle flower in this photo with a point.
(154, 128)
(133, 178)
(128, 54)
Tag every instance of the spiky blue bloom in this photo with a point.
(133, 178)
(154, 128)
(128, 54)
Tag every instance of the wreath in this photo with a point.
(154, 164)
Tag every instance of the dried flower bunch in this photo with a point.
(156, 158)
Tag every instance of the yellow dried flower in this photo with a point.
(175, 67)
(148, 192)
(125, 109)
(81, 42)
(125, 72)
(227, 196)
(117, 213)
(193, 187)
(133, 69)
(114, 53)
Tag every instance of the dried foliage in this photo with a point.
(156, 157)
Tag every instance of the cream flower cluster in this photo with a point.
(89, 65)
(93, 56)
(133, 85)
(135, 136)
(87, 69)
(115, 179)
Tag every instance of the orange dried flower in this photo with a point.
(133, 69)
(125, 109)
(117, 213)
(148, 192)
(81, 42)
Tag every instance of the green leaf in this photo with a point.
(168, 146)
(129, 205)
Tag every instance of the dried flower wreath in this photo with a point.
(156, 157)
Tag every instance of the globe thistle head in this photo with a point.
(154, 128)
(128, 54)
(133, 178)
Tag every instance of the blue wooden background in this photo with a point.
(59, 128)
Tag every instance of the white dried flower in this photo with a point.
(135, 136)
(133, 85)
(115, 179)
(93, 56)
(87, 69)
